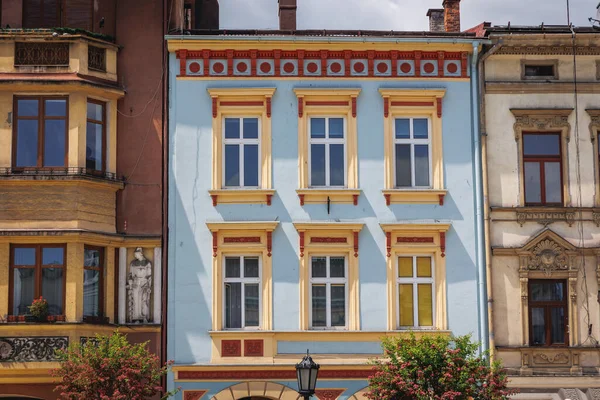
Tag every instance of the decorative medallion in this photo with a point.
(265, 68)
(312, 67)
(382, 68)
(406, 68)
(452, 68)
(242, 67)
(429, 68)
(336, 67)
(328, 394)
(548, 256)
(194, 67)
(359, 67)
(218, 68)
(288, 67)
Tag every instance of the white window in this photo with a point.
(242, 292)
(328, 292)
(242, 152)
(415, 292)
(327, 152)
(412, 152)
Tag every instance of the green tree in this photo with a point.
(435, 368)
(109, 368)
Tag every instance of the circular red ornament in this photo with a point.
(336, 67)
(359, 67)
(452, 68)
(312, 67)
(406, 68)
(194, 67)
(428, 68)
(265, 68)
(288, 67)
(242, 67)
(218, 68)
(382, 68)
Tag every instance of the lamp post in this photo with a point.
(307, 371)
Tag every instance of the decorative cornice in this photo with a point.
(561, 50)
(541, 120)
(546, 217)
(282, 374)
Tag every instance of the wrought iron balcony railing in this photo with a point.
(50, 173)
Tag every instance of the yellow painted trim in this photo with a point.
(45, 87)
(342, 196)
(328, 226)
(242, 196)
(242, 226)
(327, 94)
(243, 95)
(4, 277)
(437, 159)
(401, 196)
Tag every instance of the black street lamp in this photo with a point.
(307, 371)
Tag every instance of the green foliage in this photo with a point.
(435, 368)
(109, 368)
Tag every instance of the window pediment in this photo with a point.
(541, 120)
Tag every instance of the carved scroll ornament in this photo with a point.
(541, 120)
(548, 256)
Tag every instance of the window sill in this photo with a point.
(414, 196)
(320, 196)
(241, 196)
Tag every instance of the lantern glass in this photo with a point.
(313, 379)
(304, 379)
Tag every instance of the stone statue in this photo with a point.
(139, 288)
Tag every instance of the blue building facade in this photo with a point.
(323, 194)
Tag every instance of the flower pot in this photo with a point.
(21, 318)
(60, 318)
(51, 318)
(12, 318)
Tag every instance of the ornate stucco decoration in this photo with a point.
(548, 358)
(546, 217)
(548, 256)
(596, 218)
(31, 349)
(594, 122)
(542, 120)
(139, 288)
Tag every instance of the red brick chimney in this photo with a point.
(287, 15)
(451, 15)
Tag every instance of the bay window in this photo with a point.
(95, 138)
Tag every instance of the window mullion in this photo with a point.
(328, 304)
(242, 305)
(40, 155)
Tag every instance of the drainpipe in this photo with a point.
(480, 246)
(486, 208)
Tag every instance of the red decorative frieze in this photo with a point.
(388, 197)
(229, 62)
(354, 108)
(242, 103)
(355, 234)
(242, 239)
(394, 57)
(269, 243)
(300, 113)
(463, 64)
(386, 108)
(300, 55)
(253, 348)
(441, 199)
(268, 108)
(182, 62)
(443, 243)
(327, 103)
(215, 107)
(324, 56)
(355, 199)
(414, 240)
(269, 199)
(441, 56)
(277, 57)
(315, 239)
(231, 348)
(193, 394)
(206, 57)
(301, 234)
(371, 58)
(388, 243)
(418, 56)
(253, 56)
(439, 107)
(328, 394)
(347, 62)
(280, 374)
(215, 238)
(412, 104)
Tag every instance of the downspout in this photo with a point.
(486, 208)
(479, 244)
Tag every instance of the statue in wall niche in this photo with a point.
(139, 288)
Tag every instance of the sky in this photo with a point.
(402, 15)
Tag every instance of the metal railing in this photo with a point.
(58, 172)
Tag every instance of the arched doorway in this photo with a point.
(257, 391)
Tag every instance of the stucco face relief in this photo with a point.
(548, 256)
(139, 288)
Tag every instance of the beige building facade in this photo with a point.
(540, 122)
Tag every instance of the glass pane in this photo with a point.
(27, 143)
(336, 128)
(337, 267)
(406, 305)
(317, 165)
(53, 256)
(91, 292)
(338, 305)
(55, 108)
(91, 258)
(250, 267)
(405, 267)
(553, 182)
(533, 189)
(232, 128)
(538, 326)
(317, 128)
(28, 108)
(420, 128)
(52, 289)
(424, 292)
(336, 165)
(23, 290)
(319, 267)
(403, 167)
(233, 305)
(319, 300)
(93, 147)
(402, 128)
(232, 267)
(536, 145)
(557, 314)
(250, 128)
(421, 165)
(95, 111)
(54, 142)
(24, 256)
(251, 165)
(546, 291)
(232, 165)
(424, 267)
(251, 304)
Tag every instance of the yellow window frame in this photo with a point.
(247, 239)
(242, 102)
(413, 103)
(327, 102)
